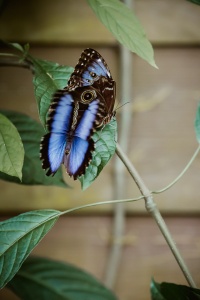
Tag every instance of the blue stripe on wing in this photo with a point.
(79, 157)
(82, 144)
(62, 116)
(60, 126)
(97, 68)
(87, 121)
(89, 62)
(54, 143)
(56, 150)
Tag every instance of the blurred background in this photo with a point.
(161, 139)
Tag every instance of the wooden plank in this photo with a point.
(169, 22)
(73, 22)
(162, 138)
(52, 22)
(85, 242)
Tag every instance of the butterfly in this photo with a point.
(84, 105)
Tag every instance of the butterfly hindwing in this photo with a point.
(106, 89)
(82, 144)
(79, 157)
(71, 124)
(55, 151)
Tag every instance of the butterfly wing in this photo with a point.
(72, 120)
(53, 144)
(90, 67)
(92, 70)
(107, 89)
(82, 145)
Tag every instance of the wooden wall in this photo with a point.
(162, 138)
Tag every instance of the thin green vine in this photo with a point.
(181, 174)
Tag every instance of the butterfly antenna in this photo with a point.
(118, 107)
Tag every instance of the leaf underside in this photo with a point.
(125, 26)
(41, 278)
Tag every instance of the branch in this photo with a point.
(153, 210)
(12, 60)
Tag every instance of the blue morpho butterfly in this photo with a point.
(86, 104)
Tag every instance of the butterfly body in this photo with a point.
(75, 113)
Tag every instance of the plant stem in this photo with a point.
(12, 60)
(153, 210)
(6, 63)
(73, 209)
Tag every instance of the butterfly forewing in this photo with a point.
(90, 67)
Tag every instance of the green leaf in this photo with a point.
(31, 133)
(124, 25)
(105, 145)
(18, 237)
(156, 291)
(197, 124)
(16, 46)
(195, 1)
(13, 46)
(41, 278)
(48, 77)
(169, 291)
(11, 149)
